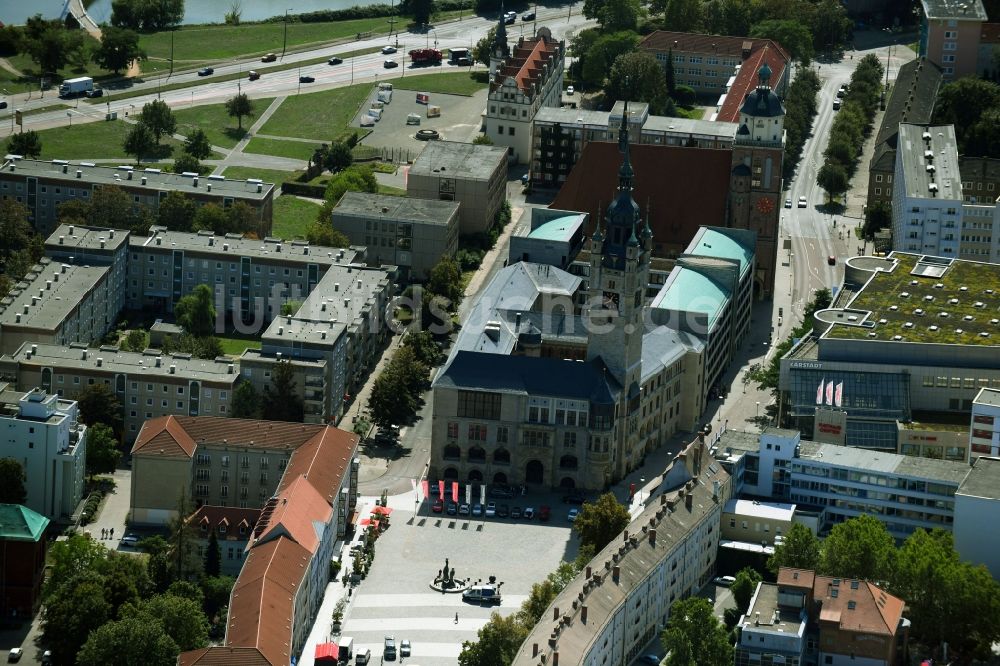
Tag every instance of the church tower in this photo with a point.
(619, 275)
(500, 51)
(755, 188)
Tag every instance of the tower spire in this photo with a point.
(625, 172)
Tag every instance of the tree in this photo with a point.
(983, 138)
(389, 402)
(499, 640)
(118, 50)
(211, 217)
(798, 550)
(242, 218)
(840, 151)
(176, 211)
(425, 349)
(26, 144)
(744, 586)
(139, 141)
(962, 103)
(197, 145)
(196, 311)
(99, 404)
(183, 551)
(412, 372)
(182, 619)
(131, 640)
(859, 548)
(187, 164)
(352, 179)
(682, 15)
(323, 233)
(51, 44)
(670, 78)
(790, 33)
(102, 450)
(217, 591)
(832, 177)
(830, 26)
(638, 76)
(445, 280)
(246, 401)
(482, 140)
(126, 580)
(12, 478)
(878, 216)
(601, 53)
(185, 589)
(542, 594)
(73, 610)
(600, 522)
(135, 340)
(70, 557)
(280, 401)
(239, 107)
(484, 48)
(620, 15)
(421, 10)
(213, 556)
(158, 117)
(694, 637)
(145, 15)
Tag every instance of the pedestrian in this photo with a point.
(103, 530)
(456, 618)
(112, 533)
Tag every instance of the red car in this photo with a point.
(438, 506)
(544, 512)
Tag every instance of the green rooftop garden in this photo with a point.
(955, 308)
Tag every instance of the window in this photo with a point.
(452, 430)
(502, 435)
(479, 405)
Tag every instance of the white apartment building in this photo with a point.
(42, 432)
(927, 199)
(977, 504)
(984, 432)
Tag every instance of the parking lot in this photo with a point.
(459, 119)
(396, 598)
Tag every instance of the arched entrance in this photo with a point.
(452, 452)
(451, 474)
(500, 479)
(501, 456)
(475, 476)
(534, 472)
(567, 483)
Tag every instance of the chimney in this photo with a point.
(102, 243)
(128, 176)
(260, 188)
(555, 659)
(157, 361)
(17, 318)
(100, 361)
(555, 614)
(225, 247)
(336, 286)
(194, 181)
(209, 187)
(652, 537)
(173, 369)
(55, 277)
(65, 168)
(715, 490)
(111, 232)
(71, 227)
(756, 619)
(534, 650)
(583, 614)
(61, 239)
(626, 536)
(211, 241)
(79, 173)
(588, 573)
(159, 241)
(688, 500)
(281, 330)
(230, 369)
(143, 180)
(84, 355)
(615, 573)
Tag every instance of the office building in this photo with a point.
(805, 618)
(950, 31)
(911, 100)
(555, 237)
(23, 543)
(987, 65)
(907, 333)
(608, 614)
(147, 384)
(251, 278)
(984, 432)
(473, 175)
(559, 136)
(58, 304)
(523, 80)
(710, 64)
(413, 234)
(43, 186)
(834, 483)
(287, 564)
(43, 433)
(938, 436)
(232, 527)
(977, 502)
(754, 521)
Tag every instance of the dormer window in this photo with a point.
(222, 529)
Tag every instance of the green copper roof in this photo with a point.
(557, 229)
(19, 523)
(691, 291)
(715, 243)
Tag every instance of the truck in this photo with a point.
(460, 56)
(425, 57)
(76, 87)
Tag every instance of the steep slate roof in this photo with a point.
(262, 605)
(916, 87)
(683, 188)
(747, 80)
(178, 436)
(19, 523)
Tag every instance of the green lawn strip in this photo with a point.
(292, 216)
(299, 150)
(267, 175)
(451, 83)
(233, 345)
(100, 140)
(215, 122)
(390, 190)
(322, 115)
(694, 113)
(220, 42)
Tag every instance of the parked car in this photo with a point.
(386, 50)
(501, 492)
(15, 655)
(270, 57)
(438, 506)
(205, 71)
(802, 202)
(530, 16)
(404, 647)
(47, 658)
(529, 513)
(131, 540)
(573, 513)
(570, 90)
(253, 75)
(477, 509)
(842, 91)
(463, 509)
(491, 509)
(3, 105)
(650, 659)
(389, 649)
(788, 202)
(307, 79)
(452, 509)
(389, 64)
(96, 92)
(544, 512)
(503, 511)
(725, 581)
(335, 61)
(363, 657)
(836, 105)
(516, 512)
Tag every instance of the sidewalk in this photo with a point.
(114, 512)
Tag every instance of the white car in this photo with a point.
(130, 540)
(529, 513)
(491, 509)
(570, 90)
(788, 202)
(386, 50)
(15, 655)
(802, 202)
(404, 647)
(573, 513)
(725, 581)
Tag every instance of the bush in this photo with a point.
(685, 96)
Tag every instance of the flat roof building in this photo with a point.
(977, 503)
(22, 570)
(950, 31)
(43, 185)
(411, 233)
(984, 431)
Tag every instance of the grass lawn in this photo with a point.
(292, 216)
(323, 115)
(393, 191)
(234, 345)
(96, 141)
(216, 123)
(452, 83)
(299, 150)
(267, 175)
(694, 113)
(200, 43)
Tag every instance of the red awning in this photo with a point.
(382, 510)
(327, 653)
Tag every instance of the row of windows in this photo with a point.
(205, 264)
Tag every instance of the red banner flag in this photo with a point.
(454, 492)
(441, 489)
(839, 395)
(425, 489)
(829, 393)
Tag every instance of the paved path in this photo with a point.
(242, 144)
(114, 512)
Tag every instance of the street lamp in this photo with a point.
(758, 409)
(284, 40)
(642, 483)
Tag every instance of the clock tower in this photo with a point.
(755, 187)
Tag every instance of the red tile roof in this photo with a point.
(526, 62)
(682, 187)
(990, 33)
(178, 436)
(746, 81)
(231, 516)
(165, 437)
(691, 42)
(874, 610)
(324, 460)
(223, 656)
(801, 578)
(292, 513)
(262, 606)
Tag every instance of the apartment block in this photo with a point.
(473, 175)
(233, 529)
(984, 431)
(43, 186)
(976, 505)
(753, 521)
(43, 433)
(413, 234)
(24, 543)
(147, 384)
(950, 31)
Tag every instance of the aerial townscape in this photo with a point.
(500, 333)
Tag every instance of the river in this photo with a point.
(195, 11)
